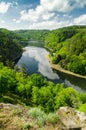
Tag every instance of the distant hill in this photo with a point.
(68, 47)
(27, 36)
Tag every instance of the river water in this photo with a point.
(35, 61)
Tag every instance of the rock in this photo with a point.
(72, 119)
(7, 106)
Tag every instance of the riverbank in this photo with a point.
(59, 68)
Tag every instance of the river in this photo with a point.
(35, 61)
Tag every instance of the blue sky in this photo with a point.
(41, 14)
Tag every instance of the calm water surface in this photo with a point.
(35, 61)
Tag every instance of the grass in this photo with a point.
(52, 118)
(26, 126)
(39, 115)
(18, 117)
(42, 118)
(11, 98)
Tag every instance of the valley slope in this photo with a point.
(68, 48)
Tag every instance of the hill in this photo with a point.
(68, 48)
(32, 37)
(10, 49)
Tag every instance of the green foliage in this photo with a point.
(54, 60)
(56, 36)
(70, 44)
(36, 112)
(52, 118)
(82, 97)
(82, 108)
(39, 115)
(7, 99)
(68, 97)
(26, 126)
(7, 80)
(34, 90)
(10, 50)
(31, 37)
(45, 100)
(38, 80)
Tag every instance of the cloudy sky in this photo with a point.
(41, 14)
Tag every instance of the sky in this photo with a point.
(41, 14)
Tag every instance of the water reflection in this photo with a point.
(35, 61)
(76, 82)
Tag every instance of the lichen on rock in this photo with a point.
(72, 118)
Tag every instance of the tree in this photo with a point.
(7, 80)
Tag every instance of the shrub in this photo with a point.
(52, 118)
(26, 127)
(8, 99)
(39, 115)
(82, 108)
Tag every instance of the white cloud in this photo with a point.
(62, 5)
(31, 15)
(48, 8)
(2, 21)
(50, 24)
(16, 21)
(47, 14)
(80, 20)
(4, 7)
(43, 16)
(36, 14)
(55, 5)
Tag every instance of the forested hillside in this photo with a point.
(10, 49)
(68, 48)
(32, 35)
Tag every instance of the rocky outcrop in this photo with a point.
(72, 119)
(16, 117)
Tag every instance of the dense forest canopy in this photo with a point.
(68, 47)
(10, 49)
(36, 91)
(37, 35)
(32, 35)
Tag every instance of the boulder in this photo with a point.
(72, 119)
